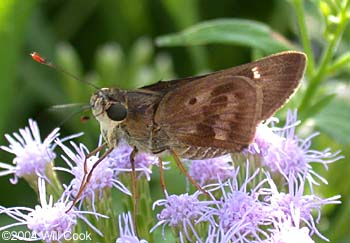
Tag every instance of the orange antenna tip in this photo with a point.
(36, 57)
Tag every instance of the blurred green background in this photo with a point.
(126, 43)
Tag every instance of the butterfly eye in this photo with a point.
(117, 112)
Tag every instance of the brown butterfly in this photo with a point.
(199, 117)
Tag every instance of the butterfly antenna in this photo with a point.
(38, 58)
(82, 108)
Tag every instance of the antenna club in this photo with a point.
(36, 57)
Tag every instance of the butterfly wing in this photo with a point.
(212, 111)
(222, 109)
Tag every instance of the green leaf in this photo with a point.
(228, 31)
(334, 120)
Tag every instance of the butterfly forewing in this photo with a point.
(222, 109)
(217, 111)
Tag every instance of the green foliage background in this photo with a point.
(130, 43)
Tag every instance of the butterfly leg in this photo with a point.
(135, 194)
(184, 171)
(161, 176)
(92, 153)
(87, 176)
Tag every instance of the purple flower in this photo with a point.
(286, 204)
(181, 213)
(211, 170)
(283, 151)
(126, 229)
(287, 230)
(32, 155)
(240, 214)
(119, 159)
(48, 221)
(102, 177)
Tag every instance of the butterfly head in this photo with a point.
(109, 105)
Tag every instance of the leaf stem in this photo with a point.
(339, 63)
(317, 79)
(298, 4)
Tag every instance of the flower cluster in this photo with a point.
(209, 171)
(251, 208)
(34, 161)
(31, 154)
(243, 203)
(102, 177)
(180, 212)
(49, 221)
(245, 212)
(282, 151)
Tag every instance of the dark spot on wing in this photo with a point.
(193, 101)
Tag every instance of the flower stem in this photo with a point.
(144, 216)
(145, 220)
(54, 187)
(110, 226)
